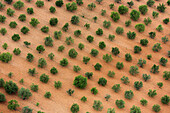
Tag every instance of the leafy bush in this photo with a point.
(81, 46)
(24, 93)
(99, 32)
(89, 75)
(129, 94)
(45, 29)
(150, 3)
(140, 27)
(147, 21)
(163, 61)
(3, 31)
(164, 39)
(116, 88)
(71, 6)
(161, 7)
(59, 3)
(157, 47)
(166, 75)
(143, 102)
(5, 57)
(11, 87)
(128, 57)
(107, 97)
(119, 30)
(95, 18)
(160, 84)
(26, 109)
(98, 66)
(111, 6)
(57, 34)
(141, 62)
(13, 104)
(94, 52)
(77, 33)
(70, 92)
(118, 1)
(106, 24)
(94, 91)
(97, 105)
(115, 16)
(52, 9)
(144, 42)
(57, 84)
(134, 15)
(64, 62)
(5, 46)
(39, 3)
(135, 109)
(79, 2)
(24, 30)
(13, 24)
(22, 17)
(2, 97)
(40, 48)
(123, 9)
(44, 78)
(152, 35)
(159, 28)
(155, 14)
(143, 9)
(8, 1)
(86, 59)
(42, 63)
(30, 57)
(91, 6)
(156, 108)
(137, 49)
(76, 68)
(133, 70)
(168, 2)
(2, 82)
(65, 27)
(32, 72)
(10, 12)
(87, 26)
(103, 12)
(53, 71)
(34, 87)
(74, 108)
(102, 81)
(48, 41)
(111, 37)
(2, 18)
(102, 45)
(166, 20)
(120, 104)
(165, 99)
(119, 65)
(72, 53)
(107, 58)
(47, 95)
(90, 38)
(138, 85)
(128, 23)
(18, 4)
(155, 69)
(152, 93)
(34, 22)
(125, 80)
(51, 56)
(131, 35)
(69, 40)
(146, 77)
(53, 21)
(17, 51)
(130, 4)
(80, 82)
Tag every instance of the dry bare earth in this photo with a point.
(60, 102)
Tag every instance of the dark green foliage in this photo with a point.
(44, 78)
(57, 34)
(51, 56)
(13, 24)
(48, 41)
(71, 6)
(155, 14)
(5, 57)
(2, 18)
(168, 2)
(45, 29)
(69, 40)
(111, 73)
(57, 84)
(98, 66)
(64, 62)
(70, 92)
(26, 109)
(117, 1)
(159, 28)
(125, 80)
(102, 45)
(79, 2)
(161, 7)
(89, 75)
(90, 38)
(47, 95)
(53, 71)
(74, 108)
(133, 70)
(5, 46)
(94, 52)
(53, 21)
(28, 0)
(10, 12)
(116, 88)
(146, 77)
(155, 69)
(24, 93)
(81, 46)
(94, 91)
(141, 62)
(34, 22)
(157, 47)
(3, 31)
(150, 3)
(40, 48)
(166, 75)
(24, 30)
(107, 58)
(13, 104)
(138, 85)
(166, 20)
(76, 68)
(119, 65)
(120, 104)
(65, 27)
(8, 1)
(144, 42)
(165, 39)
(122, 9)
(143, 102)
(137, 49)
(156, 108)
(91, 6)
(111, 6)
(107, 97)
(106, 24)
(22, 17)
(59, 3)
(128, 23)
(42, 63)
(11, 87)
(147, 21)
(16, 51)
(160, 84)
(152, 35)
(129, 94)
(72, 53)
(103, 12)
(95, 18)
(143, 9)
(2, 98)
(99, 1)
(140, 27)
(131, 35)
(163, 61)
(97, 105)
(102, 81)
(110, 110)
(34, 87)
(168, 54)
(80, 82)
(18, 5)
(86, 59)
(135, 109)
(39, 3)
(10, 74)
(119, 30)
(32, 72)
(115, 16)
(30, 10)
(30, 57)
(99, 32)
(152, 93)
(111, 37)
(165, 99)
(130, 3)
(134, 15)
(2, 82)
(52, 9)
(87, 26)
(128, 57)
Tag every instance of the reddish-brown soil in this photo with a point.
(60, 101)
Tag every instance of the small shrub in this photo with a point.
(155, 14)
(117, 1)
(64, 62)
(18, 5)
(86, 59)
(15, 37)
(119, 65)
(77, 33)
(30, 10)
(94, 52)
(165, 39)
(76, 68)
(91, 6)
(128, 57)
(116, 88)
(133, 70)
(52, 9)
(45, 29)
(102, 81)
(24, 30)
(137, 49)
(72, 53)
(155, 69)
(122, 9)
(57, 84)
(166, 75)
(106, 24)
(138, 85)
(89, 75)
(127, 23)
(34, 87)
(129, 94)
(149, 57)
(30, 57)
(10, 87)
(42, 63)
(34, 22)
(130, 4)
(102, 45)
(120, 104)
(150, 3)
(57, 34)
(71, 6)
(143, 9)
(111, 6)
(3, 31)
(2, 6)
(39, 3)
(74, 108)
(47, 95)
(44, 78)
(98, 66)
(51, 56)
(40, 48)
(22, 17)
(168, 2)
(48, 41)
(24, 93)
(95, 18)
(81, 46)
(143, 102)
(156, 47)
(10, 74)
(156, 108)
(53, 71)
(140, 27)
(97, 105)
(159, 28)
(147, 21)
(10, 12)
(141, 62)
(53, 21)
(2, 98)
(80, 82)
(70, 92)
(152, 35)
(115, 16)
(160, 84)
(99, 32)
(119, 30)
(165, 99)
(107, 58)
(13, 24)
(69, 40)
(107, 97)
(5, 57)
(134, 15)
(2, 18)
(87, 26)
(163, 61)
(59, 3)
(65, 27)
(79, 2)
(161, 7)
(32, 72)
(135, 109)
(2, 82)
(16, 51)
(125, 80)
(144, 42)
(13, 104)
(103, 12)
(90, 38)
(166, 20)
(146, 77)
(131, 35)
(111, 37)
(26, 109)
(5, 46)
(94, 91)
(152, 93)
